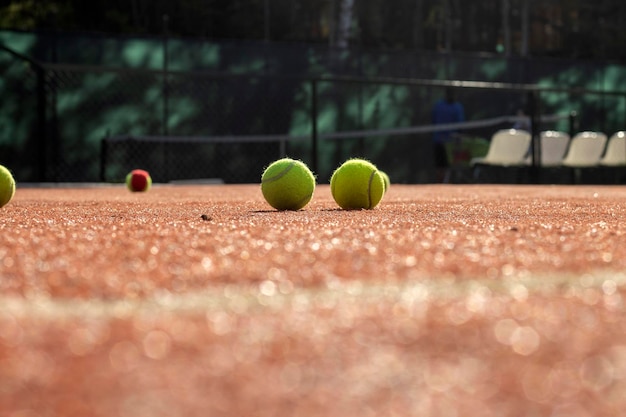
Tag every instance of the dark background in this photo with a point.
(75, 72)
(560, 28)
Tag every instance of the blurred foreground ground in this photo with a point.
(202, 301)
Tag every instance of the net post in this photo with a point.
(622, 179)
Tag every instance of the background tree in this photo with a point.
(565, 28)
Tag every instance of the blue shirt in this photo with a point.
(446, 112)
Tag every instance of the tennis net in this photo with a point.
(404, 152)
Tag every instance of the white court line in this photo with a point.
(268, 296)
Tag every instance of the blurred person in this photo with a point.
(446, 110)
(522, 122)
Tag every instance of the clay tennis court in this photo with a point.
(445, 300)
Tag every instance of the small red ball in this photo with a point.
(138, 180)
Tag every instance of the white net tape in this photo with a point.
(351, 134)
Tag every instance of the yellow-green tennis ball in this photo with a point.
(386, 180)
(357, 184)
(287, 184)
(138, 180)
(7, 186)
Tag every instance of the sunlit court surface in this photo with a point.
(202, 300)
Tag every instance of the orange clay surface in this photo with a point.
(447, 301)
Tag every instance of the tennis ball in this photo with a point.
(386, 179)
(287, 184)
(7, 186)
(138, 180)
(357, 184)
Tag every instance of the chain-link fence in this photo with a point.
(189, 125)
(176, 110)
(242, 91)
(230, 127)
(22, 113)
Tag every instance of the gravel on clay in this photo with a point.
(201, 300)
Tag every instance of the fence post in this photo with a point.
(165, 72)
(41, 123)
(166, 92)
(314, 135)
(104, 149)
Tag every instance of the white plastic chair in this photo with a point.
(615, 154)
(553, 148)
(585, 150)
(508, 147)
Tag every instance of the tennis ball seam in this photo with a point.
(303, 199)
(369, 189)
(280, 174)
